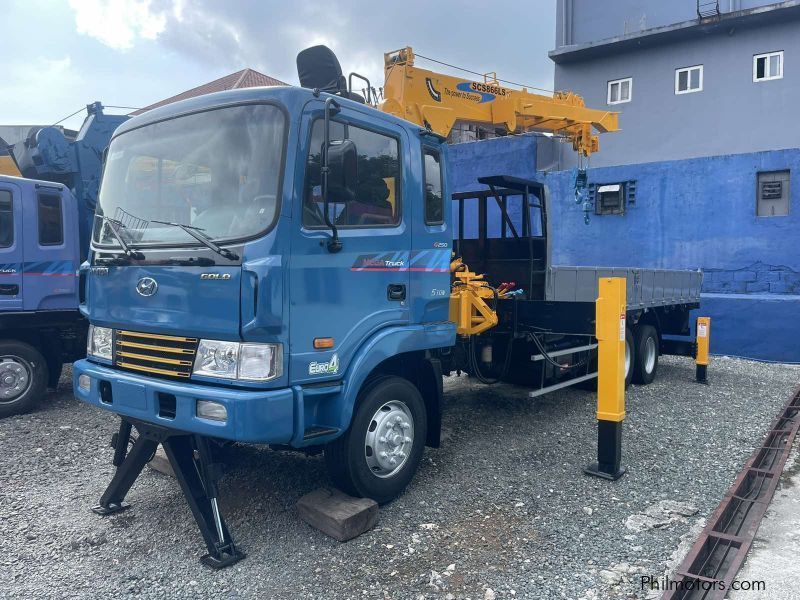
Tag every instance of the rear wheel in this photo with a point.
(645, 362)
(629, 347)
(380, 452)
(23, 377)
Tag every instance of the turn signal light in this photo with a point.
(323, 343)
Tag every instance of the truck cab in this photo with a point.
(39, 258)
(273, 266)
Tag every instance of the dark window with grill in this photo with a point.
(773, 194)
(434, 199)
(6, 220)
(612, 198)
(51, 222)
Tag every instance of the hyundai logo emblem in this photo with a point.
(146, 286)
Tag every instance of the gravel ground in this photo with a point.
(502, 510)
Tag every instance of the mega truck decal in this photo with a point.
(427, 261)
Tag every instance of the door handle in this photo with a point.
(396, 291)
(9, 289)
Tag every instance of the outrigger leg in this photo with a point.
(191, 460)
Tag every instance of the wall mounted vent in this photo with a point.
(708, 9)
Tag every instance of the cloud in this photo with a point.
(63, 83)
(118, 23)
(267, 34)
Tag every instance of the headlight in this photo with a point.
(232, 360)
(217, 359)
(260, 362)
(99, 342)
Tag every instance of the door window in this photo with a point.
(376, 199)
(51, 223)
(434, 199)
(6, 220)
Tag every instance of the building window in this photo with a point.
(768, 66)
(689, 79)
(773, 194)
(51, 223)
(620, 90)
(434, 198)
(6, 220)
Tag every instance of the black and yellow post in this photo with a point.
(703, 337)
(610, 333)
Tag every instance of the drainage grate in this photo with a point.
(711, 565)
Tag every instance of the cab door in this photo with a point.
(432, 238)
(51, 249)
(340, 299)
(10, 247)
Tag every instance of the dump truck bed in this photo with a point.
(646, 287)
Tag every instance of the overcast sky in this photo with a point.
(60, 55)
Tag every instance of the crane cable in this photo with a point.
(82, 108)
(533, 87)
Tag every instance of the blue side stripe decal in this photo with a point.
(53, 268)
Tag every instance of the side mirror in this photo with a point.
(342, 170)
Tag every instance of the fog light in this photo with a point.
(206, 409)
(84, 382)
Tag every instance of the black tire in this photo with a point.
(21, 366)
(645, 362)
(590, 385)
(629, 348)
(346, 457)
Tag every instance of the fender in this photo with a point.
(385, 344)
(334, 407)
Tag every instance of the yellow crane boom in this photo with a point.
(7, 164)
(437, 101)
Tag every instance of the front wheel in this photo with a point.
(380, 452)
(23, 377)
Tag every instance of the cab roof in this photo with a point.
(290, 97)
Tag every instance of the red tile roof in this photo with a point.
(241, 79)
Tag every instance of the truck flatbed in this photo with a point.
(646, 288)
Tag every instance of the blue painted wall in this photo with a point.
(694, 213)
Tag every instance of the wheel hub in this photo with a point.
(15, 378)
(627, 359)
(389, 439)
(650, 355)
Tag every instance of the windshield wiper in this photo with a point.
(197, 233)
(127, 249)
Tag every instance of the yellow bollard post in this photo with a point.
(703, 337)
(610, 311)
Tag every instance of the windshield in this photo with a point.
(218, 171)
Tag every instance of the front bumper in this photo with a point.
(264, 416)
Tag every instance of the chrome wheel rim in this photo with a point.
(627, 359)
(650, 355)
(16, 377)
(389, 439)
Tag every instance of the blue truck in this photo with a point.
(275, 266)
(45, 220)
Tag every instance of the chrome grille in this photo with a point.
(155, 354)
